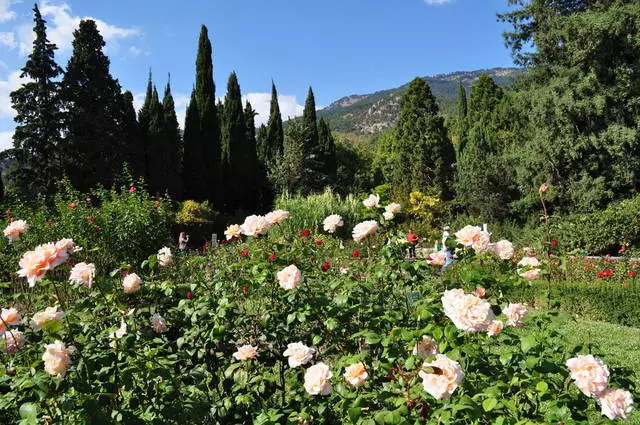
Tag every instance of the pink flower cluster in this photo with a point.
(256, 225)
(480, 241)
(35, 264)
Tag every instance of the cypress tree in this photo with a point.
(157, 145)
(134, 154)
(250, 124)
(173, 145)
(144, 116)
(261, 143)
(257, 187)
(38, 112)
(193, 178)
(210, 135)
(93, 143)
(462, 114)
(309, 121)
(238, 169)
(327, 150)
(275, 133)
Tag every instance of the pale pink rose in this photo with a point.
(246, 352)
(131, 283)
(364, 229)
(10, 316)
(13, 341)
(445, 379)
(298, 354)
(532, 274)
(35, 264)
(528, 268)
(15, 229)
(481, 244)
(50, 314)
(289, 277)
(165, 257)
(515, 314)
(56, 359)
(590, 374)
(233, 231)
(356, 374)
(393, 208)
(332, 222)
(426, 347)
(615, 403)
(117, 334)
(255, 225)
(344, 270)
(275, 217)
(373, 201)
(468, 235)
(388, 215)
(317, 379)
(495, 328)
(437, 258)
(504, 249)
(467, 311)
(83, 274)
(158, 323)
(64, 248)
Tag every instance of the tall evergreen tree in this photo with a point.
(171, 129)
(238, 165)
(261, 143)
(462, 114)
(423, 154)
(327, 150)
(210, 130)
(156, 145)
(275, 133)
(134, 154)
(258, 196)
(93, 141)
(309, 120)
(194, 184)
(144, 116)
(38, 112)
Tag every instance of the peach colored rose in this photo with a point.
(480, 292)
(495, 328)
(50, 314)
(615, 403)
(373, 201)
(56, 359)
(388, 216)
(10, 316)
(426, 347)
(317, 379)
(467, 311)
(165, 257)
(83, 274)
(356, 374)
(246, 352)
(233, 231)
(289, 277)
(481, 244)
(275, 217)
(298, 354)
(332, 222)
(255, 225)
(468, 235)
(590, 374)
(12, 341)
(364, 229)
(515, 314)
(437, 258)
(444, 380)
(118, 334)
(393, 208)
(131, 283)
(15, 229)
(35, 264)
(528, 268)
(503, 249)
(158, 323)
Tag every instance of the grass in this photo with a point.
(618, 346)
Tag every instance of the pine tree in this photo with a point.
(462, 114)
(210, 129)
(38, 112)
(309, 121)
(274, 146)
(93, 142)
(134, 155)
(238, 168)
(194, 183)
(171, 129)
(423, 154)
(327, 150)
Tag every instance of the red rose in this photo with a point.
(631, 273)
(319, 242)
(244, 253)
(356, 276)
(72, 205)
(8, 212)
(245, 288)
(622, 249)
(91, 219)
(305, 233)
(189, 295)
(325, 266)
(273, 257)
(413, 238)
(355, 253)
(554, 243)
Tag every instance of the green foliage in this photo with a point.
(274, 141)
(194, 181)
(194, 212)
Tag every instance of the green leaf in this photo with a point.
(354, 414)
(29, 412)
(527, 343)
(542, 387)
(489, 404)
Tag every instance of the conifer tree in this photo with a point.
(257, 191)
(261, 143)
(274, 146)
(171, 129)
(327, 150)
(156, 145)
(194, 183)
(38, 113)
(93, 139)
(250, 124)
(309, 121)
(134, 154)
(210, 129)
(462, 114)
(144, 115)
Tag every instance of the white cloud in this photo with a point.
(432, 2)
(261, 103)
(136, 51)
(6, 140)
(6, 87)
(5, 13)
(60, 26)
(8, 39)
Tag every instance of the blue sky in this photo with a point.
(339, 47)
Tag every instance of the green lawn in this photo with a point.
(618, 346)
